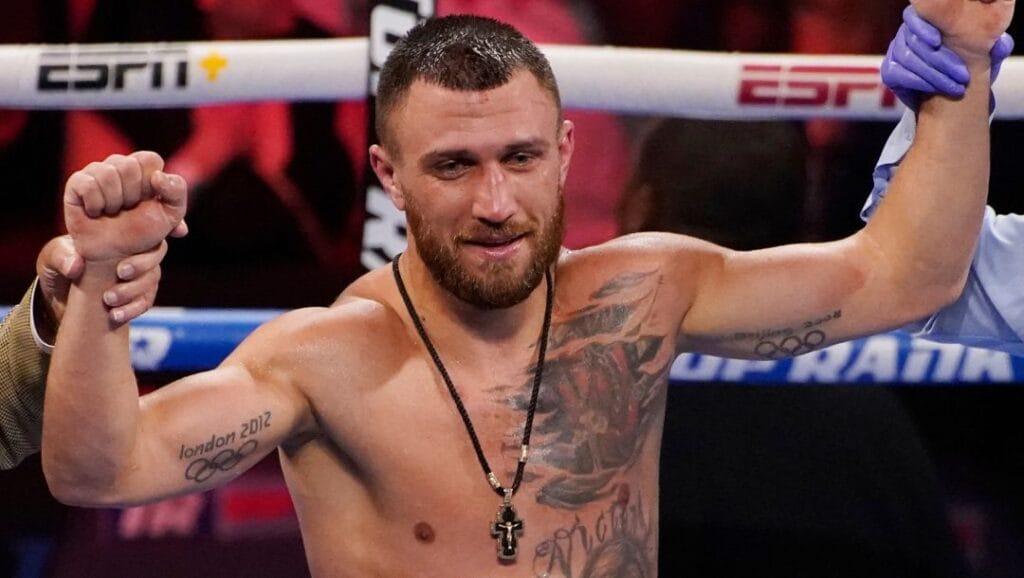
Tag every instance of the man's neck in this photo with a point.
(446, 314)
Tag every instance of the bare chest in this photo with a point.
(589, 486)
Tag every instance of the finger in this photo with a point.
(131, 311)
(83, 190)
(149, 163)
(180, 230)
(937, 78)
(943, 60)
(136, 265)
(1000, 50)
(107, 194)
(921, 27)
(899, 78)
(126, 292)
(128, 306)
(1003, 47)
(130, 172)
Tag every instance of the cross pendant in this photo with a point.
(506, 529)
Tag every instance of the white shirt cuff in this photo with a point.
(43, 346)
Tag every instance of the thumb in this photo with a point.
(172, 192)
(58, 258)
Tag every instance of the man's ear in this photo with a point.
(566, 143)
(384, 168)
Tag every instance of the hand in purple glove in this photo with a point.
(917, 64)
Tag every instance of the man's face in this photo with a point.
(480, 177)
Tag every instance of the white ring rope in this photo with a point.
(624, 80)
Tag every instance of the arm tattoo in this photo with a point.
(620, 282)
(203, 469)
(777, 343)
(217, 454)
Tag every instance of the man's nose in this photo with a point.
(493, 198)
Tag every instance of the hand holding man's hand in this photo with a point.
(58, 265)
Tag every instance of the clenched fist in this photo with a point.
(123, 206)
(969, 27)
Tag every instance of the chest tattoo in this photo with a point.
(603, 392)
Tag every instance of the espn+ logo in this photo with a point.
(801, 86)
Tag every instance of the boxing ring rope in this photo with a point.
(623, 80)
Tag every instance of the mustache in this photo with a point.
(487, 232)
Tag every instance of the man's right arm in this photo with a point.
(102, 443)
(27, 335)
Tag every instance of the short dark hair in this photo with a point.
(459, 52)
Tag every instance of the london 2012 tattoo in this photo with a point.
(780, 342)
(224, 461)
(217, 454)
(620, 542)
(796, 341)
(603, 392)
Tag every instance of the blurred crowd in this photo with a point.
(276, 187)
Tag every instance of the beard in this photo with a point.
(498, 285)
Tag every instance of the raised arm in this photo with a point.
(989, 312)
(911, 259)
(26, 337)
(102, 444)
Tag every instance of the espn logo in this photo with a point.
(811, 86)
(87, 69)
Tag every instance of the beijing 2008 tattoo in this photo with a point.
(226, 458)
(620, 542)
(603, 393)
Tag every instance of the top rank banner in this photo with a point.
(890, 358)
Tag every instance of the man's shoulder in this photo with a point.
(349, 329)
(632, 253)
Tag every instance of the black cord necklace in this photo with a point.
(507, 526)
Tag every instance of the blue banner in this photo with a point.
(187, 340)
(889, 358)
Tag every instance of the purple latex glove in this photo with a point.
(917, 64)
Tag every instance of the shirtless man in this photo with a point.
(380, 463)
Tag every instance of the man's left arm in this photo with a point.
(910, 259)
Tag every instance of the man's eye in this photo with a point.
(449, 168)
(521, 159)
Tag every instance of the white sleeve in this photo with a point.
(43, 345)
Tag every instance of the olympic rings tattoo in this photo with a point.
(203, 469)
(790, 346)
